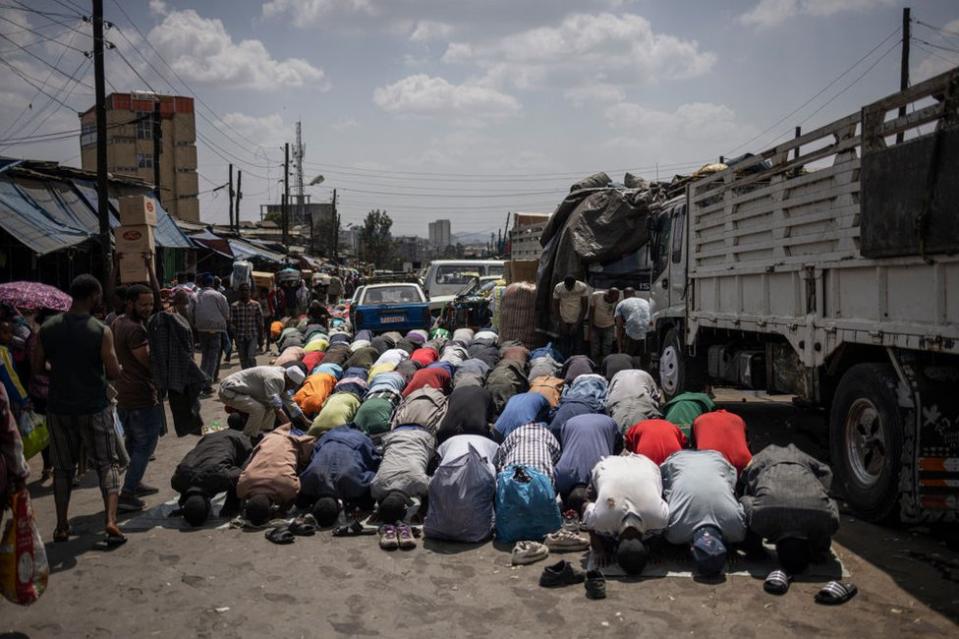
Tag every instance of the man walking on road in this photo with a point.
(138, 403)
(211, 314)
(602, 323)
(81, 356)
(570, 302)
(246, 324)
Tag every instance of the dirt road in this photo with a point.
(218, 584)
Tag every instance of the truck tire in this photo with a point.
(865, 439)
(677, 371)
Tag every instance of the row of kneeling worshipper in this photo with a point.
(477, 438)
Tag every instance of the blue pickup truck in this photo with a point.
(390, 307)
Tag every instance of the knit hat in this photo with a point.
(296, 375)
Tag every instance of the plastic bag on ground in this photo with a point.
(23, 560)
(461, 498)
(526, 506)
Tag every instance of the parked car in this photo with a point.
(390, 307)
(447, 277)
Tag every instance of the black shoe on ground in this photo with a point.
(128, 503)
(595, 585)
(560, 574)
(145, 489)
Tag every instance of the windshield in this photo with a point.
(392, 295)
(455, 274)
(469, 288)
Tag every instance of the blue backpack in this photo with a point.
(526, 506)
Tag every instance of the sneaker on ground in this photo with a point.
(561, 574)
(127, 503)
(567, 541)
(404, 537)
(388, 538)
(528, 552)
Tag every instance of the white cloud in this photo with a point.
(433, 96)
(201, 50)
(769, 13)
(701, 126)
(308, 12)
(158, 7)
(345, 124)
(18, 32)
(619, 49)
(599, 92)
(265, 130)
(427, 30)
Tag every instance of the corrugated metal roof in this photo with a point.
(41, 230)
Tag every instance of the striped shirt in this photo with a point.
(530, 445)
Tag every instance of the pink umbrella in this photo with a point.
(34, 295)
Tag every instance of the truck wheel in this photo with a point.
(677, 371)
(865, 437)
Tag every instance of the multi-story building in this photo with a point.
(130, 146)
(440, 236)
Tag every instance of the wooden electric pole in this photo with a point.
(285, 209)
(230, 192)
(103, 195)
(904, 64)
(239, 196)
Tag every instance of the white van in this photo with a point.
(447, 277)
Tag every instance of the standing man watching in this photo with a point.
(138, 404)
(246, 324)
(79, 350)
(211, 315)
(633, 318)
(602, 323)
(570, 302)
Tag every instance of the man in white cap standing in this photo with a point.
(258, 392)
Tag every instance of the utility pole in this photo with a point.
(103, 196)
(904, 63)
(796, 150)
(230, 191)
(285, 213)
(336, 232)
(298, 152)
(157, 137)
(239, 196)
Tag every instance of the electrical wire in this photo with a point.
(936, 46)
(44, 37)
(27, 9)
(942, 30)
(33, 55)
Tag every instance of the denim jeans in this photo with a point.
(142, 428)
(211, 344)
(246, 351)
(601, 343)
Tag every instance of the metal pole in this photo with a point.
(796, 150)
(103, 195)
(157, 137)
(904, 64)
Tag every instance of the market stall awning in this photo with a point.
(243, 250)
(213, 242)
(42, 229)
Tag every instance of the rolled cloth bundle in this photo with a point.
(517, 321)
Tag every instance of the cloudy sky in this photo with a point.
(463, 109)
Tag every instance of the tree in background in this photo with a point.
(375, 238)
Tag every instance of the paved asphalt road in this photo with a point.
(219, 584)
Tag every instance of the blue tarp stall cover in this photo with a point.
(243, 250)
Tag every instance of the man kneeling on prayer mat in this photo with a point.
(271, 479)
(628, 509)
(212, 467)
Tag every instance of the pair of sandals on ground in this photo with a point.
(302, 526)
(832, 594)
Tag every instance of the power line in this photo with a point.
(936, 46)
(44, 37)
(33, 55)
(936, 55)
(45, 14)
(77, 71)
(813, 98)
(954, 34)
(30, 82)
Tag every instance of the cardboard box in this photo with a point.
(134, 239)
(262, 279)
(522, 270)
(138, 209)
(133, 270)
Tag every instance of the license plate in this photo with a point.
(392, 319)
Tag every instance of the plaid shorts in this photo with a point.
(93, 435)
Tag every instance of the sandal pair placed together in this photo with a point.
(304, 526)
(832, 594)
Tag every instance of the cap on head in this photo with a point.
(257, 510)
(632, 555)
(709, 551)
(196, 508)
(326, 509)
(296, 375)
(793, 554)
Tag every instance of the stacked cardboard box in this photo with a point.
(135, 238)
